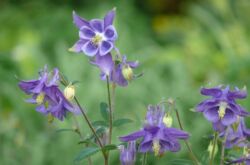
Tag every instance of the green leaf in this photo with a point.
(100, 123)
(88, 141)
(86, 152)
(180, 162)
(109, 147)
(104, 109)
(120, 122)
(64, 130)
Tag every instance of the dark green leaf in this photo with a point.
(104, 109)
(109, 147)
(120, 122)
(86, 152)
(180, 162)
(100, 123)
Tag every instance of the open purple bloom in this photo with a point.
(156, 137)
(123, 72)
(128, 155)
(221, 109)
(237, 136)
(105, 64)
(97, 36)
(47, 95)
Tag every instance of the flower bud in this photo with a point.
(127, 72)
(210, 149)
(69, 92)
(168, 120)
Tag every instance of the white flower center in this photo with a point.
(96, 40)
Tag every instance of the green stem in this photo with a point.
(77, 130)
(110, 111)
(223, 148)
(195, 160)
(213, 149)
(144, 161)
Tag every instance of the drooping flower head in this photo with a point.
(156, 137)
(236, 135)
(97, 36)
(123, 71)
(119, 72)
(128, 155)
(47, 95)
(221, 108)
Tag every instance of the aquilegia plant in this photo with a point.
(157, 135)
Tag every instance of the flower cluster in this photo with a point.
(47, 95)
(156, 136)
(96, 40)
(221, 109)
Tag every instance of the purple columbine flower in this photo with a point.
(221, 109)
(237, 135)
(97, 36)
(47, 95)
(128, 155)
(156, 137)
(123, 71)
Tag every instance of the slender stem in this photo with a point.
(186, 142)
(213, 149)
(144, 161)
(77, 130)
(92, 129)
(110, 111)
(105, 156)
(223, 148)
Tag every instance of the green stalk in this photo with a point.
(213, 149)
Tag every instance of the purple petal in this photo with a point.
(229, 118)
(28, 86)
(97, 25)
(106, 47)
(118, 78)
(237, 94)
(86, 33)
(55, 78)
(145, 147)
(105, 63)
(77, 47)
(110, 33)
(176, 133)
(78, 21)
(133, 64)
(218, 126)
(133, 136)
(42, 109)
(90, 49)
(109, 17)
(215, 92)
(211, 114)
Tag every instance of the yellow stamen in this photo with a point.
(168, 120)
(50, 118)
(222, 109)
(40, 98)
(96, 39)
(69, 92)
(156, 147)
(127, 72)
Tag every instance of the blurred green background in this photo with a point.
(181, 45)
